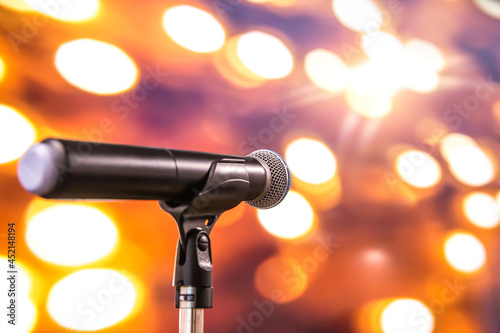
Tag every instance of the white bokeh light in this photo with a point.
(358, 15)
(194, 29)
(95, 66)
(16, 134)
(310, 160)
(471, 166)
(481, 209)
(464, 252)
(418, 168)
(67, 10)
(399, 316)
(264, 55)
(91, 299)
(71, 234)
(291, 219)
(327, 70)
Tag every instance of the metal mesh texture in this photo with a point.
(280, 179)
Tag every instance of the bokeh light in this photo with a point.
(264, 55)
(471, 166)
(85, 233)
(358, 15)
(418, 168)
(468, 163)
(407, 315)
(280, 279)
(16, 134)
(419, 74)
(327, 70)
(24, 304)
(91, 299)
(310, 160)
(371, 90)
(194, 29)
(19, 5)
(489, 7)
(383, 47)
(427, 51)
(2, 69)
(68, 10)
(95, 66)
(464, 252)
(481, 209)
(291, 219)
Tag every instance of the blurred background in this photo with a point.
(388, 113)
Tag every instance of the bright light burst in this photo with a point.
(85, 233)
(481, 209)
(194, 29)
(311, 161)
(464, 252)
(67, 10)
(418, 168)
(399, 316)
(264, 55)
(327, 70)
(371, 90)
(383, 47)
(16, 134)
(91, 299)
(95, 66)
(358, 15)
(291, 219)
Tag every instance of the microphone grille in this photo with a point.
(280, 179)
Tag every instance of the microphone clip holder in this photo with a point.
(224, 187)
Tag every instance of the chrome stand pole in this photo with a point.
(190, 320)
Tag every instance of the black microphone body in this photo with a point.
(90, 170)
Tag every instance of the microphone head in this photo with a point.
(280, 179)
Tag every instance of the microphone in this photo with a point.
(64, 169)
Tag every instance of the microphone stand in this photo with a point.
(225, 186)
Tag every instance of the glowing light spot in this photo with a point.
(359, 15)
(418, 168)
(271, 275)
(16, 134)
(19, 5)
(482, 210)
(327, 70)
(419, 75)
(464, 252)
(471, 166)
(110, 291)
(382, 47)
(264, 55)
(291, 219)
(2, 69)
(194, 29)
(85, 233)
(489, 7)
(452, 141)
(310, 160)
(399, 316)
(68, 10)
(426, 51)
(370, 93)
(95, 66)
(24, 304)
